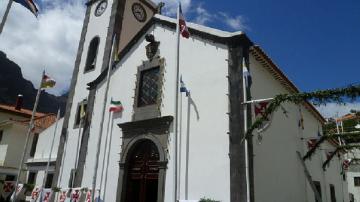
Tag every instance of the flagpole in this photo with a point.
(245, 88)
(187, 149)
(105, 149)
(51, 149)
(5, 15)
(176, 107)
(180, 146)
(108, 155)
(31, 124)
(102, 122)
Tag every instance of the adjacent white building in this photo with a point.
(137, 151)
(14, 124)
(37, 164)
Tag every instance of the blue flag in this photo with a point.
(183, 88)
(29, 4)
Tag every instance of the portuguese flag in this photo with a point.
(116, 106)
(47, 82)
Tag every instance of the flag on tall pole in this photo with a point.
(30, 5)
(47, 82)
(43, 191)
(31, 125)
(112, 58)
(115, 106)
(184, 31)
(183, 88)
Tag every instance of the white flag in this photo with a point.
(46, 195)
(259, 111)
(63, 195)
(75, 195)
(88, 196)
(35, 194)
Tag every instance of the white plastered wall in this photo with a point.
(207, 69)
(279, 175)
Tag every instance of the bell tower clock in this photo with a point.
(103, 19)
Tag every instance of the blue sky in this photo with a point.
(314, 42)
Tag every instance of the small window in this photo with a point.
(318, 188)
(31, 178)
(351, 197)
(78, 113)
(92, 53)
(34, 144)
(357, 181)
(332, 193)
(49, 180)
(1, 135)
(149, 87)
(10, 178)
(72, 178)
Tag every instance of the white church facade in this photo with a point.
(137, 152)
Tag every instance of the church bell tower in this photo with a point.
(103, 19)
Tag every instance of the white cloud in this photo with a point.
(171, 6)
(49, 42)
(335, 110)
(202, 15)
(235, 23)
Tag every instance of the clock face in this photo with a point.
(139, 12)
(100, 8)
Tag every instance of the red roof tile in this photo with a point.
(22, 112)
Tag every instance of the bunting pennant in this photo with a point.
(75, 195)
(346, 164)
(35, 194)
(8, 188)
(329, 154)
(301, 119)
(311, 143)
(88, 196)
(259, 112)
(46, 195)
(63, 195)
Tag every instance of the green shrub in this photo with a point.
(207, 200)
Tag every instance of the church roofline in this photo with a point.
(215, 35)
(279, 75)
(219, 36)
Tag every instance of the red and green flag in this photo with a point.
(116, 106)
(47, 82)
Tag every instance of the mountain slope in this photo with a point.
(13, 83)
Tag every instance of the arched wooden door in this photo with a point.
(142, 173)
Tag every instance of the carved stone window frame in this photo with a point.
(154, 110)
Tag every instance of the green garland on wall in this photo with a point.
(320, 97)
(345, 136)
